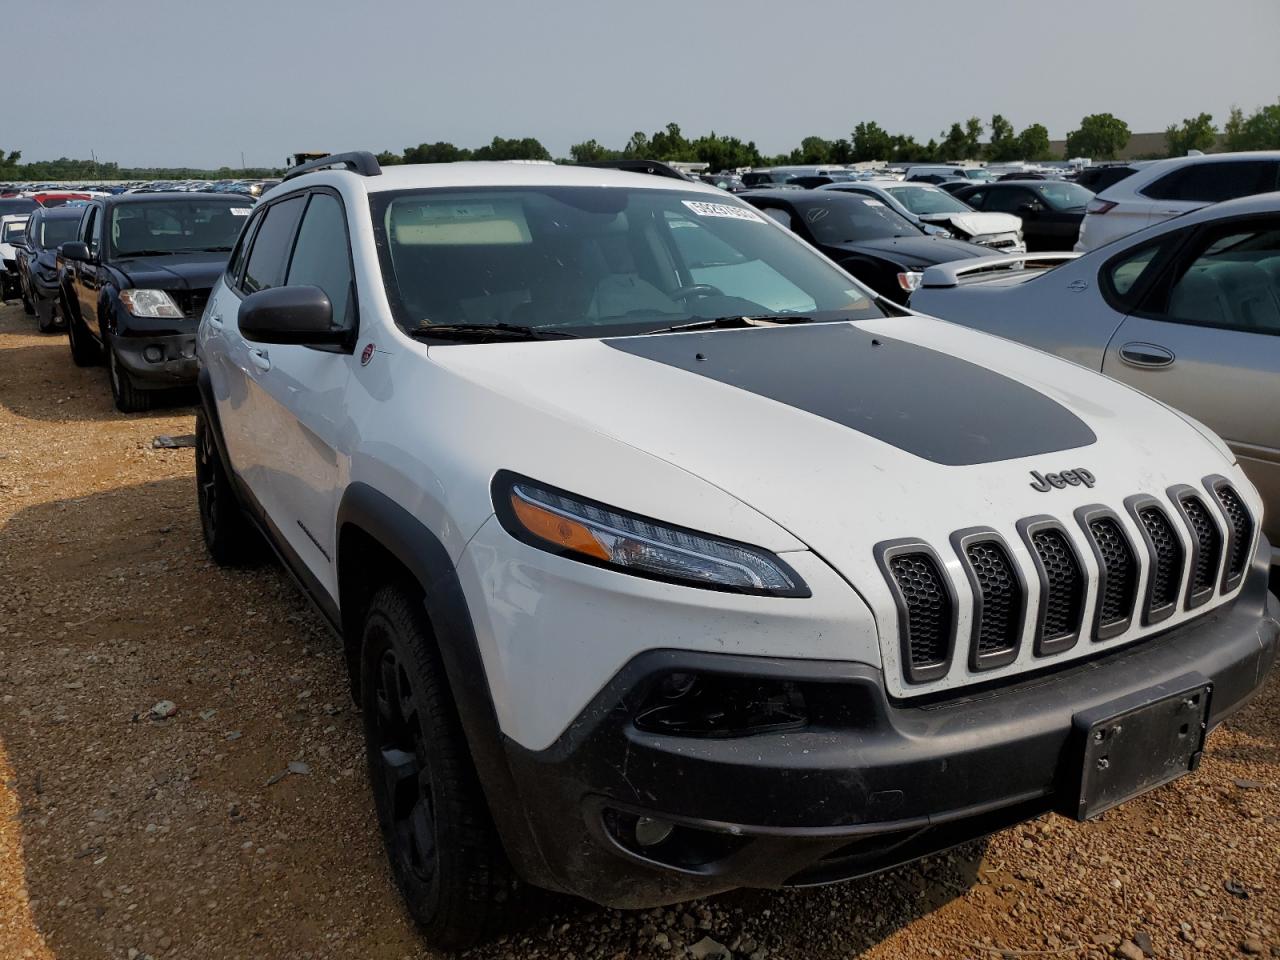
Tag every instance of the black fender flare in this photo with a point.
(396, 530)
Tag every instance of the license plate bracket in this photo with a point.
(1139, 742)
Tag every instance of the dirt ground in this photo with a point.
(124, 836)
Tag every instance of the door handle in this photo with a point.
(260, 359)
(1146, 355)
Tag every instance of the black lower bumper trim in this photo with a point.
(158, 361)
(869, 783)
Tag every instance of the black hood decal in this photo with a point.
(927, 403)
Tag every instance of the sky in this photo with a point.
(163, 83)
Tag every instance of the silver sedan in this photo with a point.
(1187, 311)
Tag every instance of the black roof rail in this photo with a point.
(655, 167)
(358, 161)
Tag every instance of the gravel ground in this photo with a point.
(241, 825)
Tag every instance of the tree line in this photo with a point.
(1100, 136)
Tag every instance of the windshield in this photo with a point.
(1065, 196)
(176, 226)
(596, 260)
(924, 200)
(14, 232)
(61, 230)
(17, 205)
(847, 219)
(976, 173)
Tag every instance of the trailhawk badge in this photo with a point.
(1047, 481)
(367, 355)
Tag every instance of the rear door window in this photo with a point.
(1215, 182)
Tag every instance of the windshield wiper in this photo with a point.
(487, 331)
(735, 321)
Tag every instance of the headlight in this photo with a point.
(590, 532)
(150, 303)
(910, 280)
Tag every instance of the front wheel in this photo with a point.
(445, 853)
(229, 537)
(128, 398)
(84, 352)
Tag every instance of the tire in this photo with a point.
(445, 853)
(84, 351)
(128, 398)
(28, 307)
(229, 537)
(50, 324)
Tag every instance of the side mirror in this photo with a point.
(75, 250)
(299, 314)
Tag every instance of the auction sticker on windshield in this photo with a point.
(242, 211)
(729, 210)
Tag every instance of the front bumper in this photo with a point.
(158, 361)
(1002, 242)
(872, 784)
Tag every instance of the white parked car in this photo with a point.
(926, 205)
(949, 171)
(667, 558)
(1169, 188)
(13, 230)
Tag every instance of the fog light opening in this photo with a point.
(650, 831)
(153, 354)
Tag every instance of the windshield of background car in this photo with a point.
(61, 230)
(844, 219)
(924, 201)
(1065, 196)
(17, 205)
(176, 226)
(597, 260)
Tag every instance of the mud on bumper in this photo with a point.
(862, 784)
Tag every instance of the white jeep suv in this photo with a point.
(667, 558)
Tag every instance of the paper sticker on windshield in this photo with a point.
(242, 211)
(728, 210)
(873, 203)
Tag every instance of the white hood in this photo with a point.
(977, 224)
(849, 435)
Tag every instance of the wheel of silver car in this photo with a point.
(444, 851)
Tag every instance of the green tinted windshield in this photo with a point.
(597, 260)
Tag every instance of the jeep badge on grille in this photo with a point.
(1046, 482)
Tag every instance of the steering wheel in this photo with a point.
(696, 290)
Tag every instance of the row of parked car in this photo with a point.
(663, 552)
